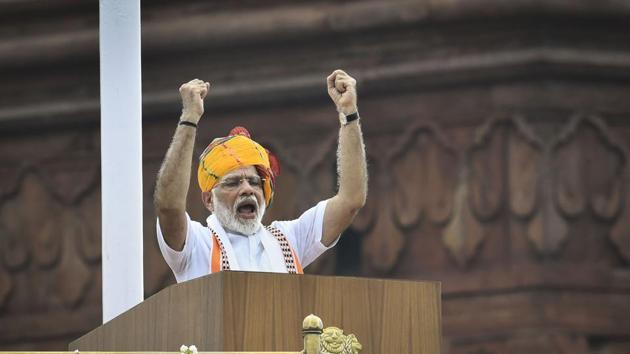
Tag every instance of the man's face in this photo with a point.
(238, 200)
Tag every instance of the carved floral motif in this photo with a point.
(40, 235)
(464, 233)
(545, 185)
(423, 169)
(589, 167)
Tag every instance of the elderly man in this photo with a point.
(237, 176)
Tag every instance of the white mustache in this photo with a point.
(229, 217)
(244, 198)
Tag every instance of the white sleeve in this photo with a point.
(305, 233)
(194, 259)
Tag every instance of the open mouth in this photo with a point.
(246, 209)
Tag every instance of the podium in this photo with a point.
(245, 311)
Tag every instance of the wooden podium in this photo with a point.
(242, 311)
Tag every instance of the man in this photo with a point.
(236, 176)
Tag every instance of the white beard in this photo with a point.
(229, 217)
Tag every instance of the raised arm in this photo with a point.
(173, 179)
(351, 165)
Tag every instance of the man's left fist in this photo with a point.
(342, 88)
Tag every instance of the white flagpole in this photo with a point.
(121, 155)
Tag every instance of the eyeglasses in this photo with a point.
(231, 183)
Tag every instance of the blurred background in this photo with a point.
(497, 134)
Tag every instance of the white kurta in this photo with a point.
(259, 252)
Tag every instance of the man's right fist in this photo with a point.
(193, 93)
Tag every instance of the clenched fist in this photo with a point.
(193, 93)
(342, 88)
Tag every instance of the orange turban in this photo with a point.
(235, 151)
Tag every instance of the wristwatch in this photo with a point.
(346, 119)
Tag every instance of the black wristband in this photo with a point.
(351, 117)
(190, 124)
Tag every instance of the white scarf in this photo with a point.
(271, 247)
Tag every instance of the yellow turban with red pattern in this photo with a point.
(232, 152)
